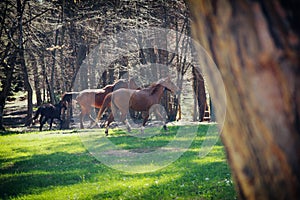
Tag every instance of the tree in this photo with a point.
(8, 53)
(199, 90)
(20, 12)
(255, 45)
(58, 37)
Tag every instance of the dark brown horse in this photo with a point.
(68, 98)
(49, 111)
(94, 97)
(138, 100)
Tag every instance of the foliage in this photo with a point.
(58, 35)
(46, 46)
(55, 164)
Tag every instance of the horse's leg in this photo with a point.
(81, 116)
(109, 120)
(92, 121)
(60, 127)
(161, 118)
(43, 122)
(145, 116)
(60, 123)
(51, 121)
(41, 118)
(124, 120)
(105, 105)
(84, 111)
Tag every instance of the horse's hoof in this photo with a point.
(165, 127)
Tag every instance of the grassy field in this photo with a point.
(56, 165)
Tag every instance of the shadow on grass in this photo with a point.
(188, 177)
(38, 172)
(185, 180)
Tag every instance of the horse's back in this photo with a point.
(88, 94)
(125, 92)
(91, 91)
(122, 96)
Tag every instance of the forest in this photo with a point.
(235, 63)
(48, 46)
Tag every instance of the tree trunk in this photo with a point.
(45, 83)
(52, 72)
(62, 39)
(199, 90)
(212, 115)
(257, 52)
(5, 91)
(20, 9)
(36, 79)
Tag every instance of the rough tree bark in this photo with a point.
(256, 48)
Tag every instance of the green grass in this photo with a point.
(56, 165)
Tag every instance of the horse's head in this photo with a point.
(168, 84)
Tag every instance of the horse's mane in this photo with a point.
(152, 88)
(120, 81)
(108, 86)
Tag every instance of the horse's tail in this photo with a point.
(106, 104)
(68, 96)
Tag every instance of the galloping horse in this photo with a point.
(94, 97)
(139, 100)
(49, 111)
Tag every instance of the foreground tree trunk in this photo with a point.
(256, 48)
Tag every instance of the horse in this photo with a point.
(67, 98)
(49, 111)
(138, 100)
(94, 97)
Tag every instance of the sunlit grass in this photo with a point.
(56, 165)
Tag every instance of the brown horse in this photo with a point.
(94, 97)
(139, 100)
